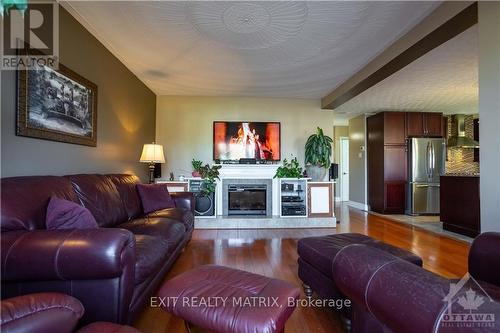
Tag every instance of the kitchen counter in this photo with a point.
(459, 203)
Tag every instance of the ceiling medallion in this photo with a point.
(248, 25)
(246, 18)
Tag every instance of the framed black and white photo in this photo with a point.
(57, 105)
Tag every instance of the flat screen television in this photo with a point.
(234, 140)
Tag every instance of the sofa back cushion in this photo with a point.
(154, 197)
(125, 184)
(24, 200)
(99, 194)
(64, 214)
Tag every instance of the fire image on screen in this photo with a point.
(235, 140)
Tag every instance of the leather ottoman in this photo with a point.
(317, 254)
(226, 300)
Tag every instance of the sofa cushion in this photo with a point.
(35, 190)
(180, 214)
(98, 194)
(320, 251)
(168, 229)
(126, 186)
(64, 214)
(150, 252)
(154, 197)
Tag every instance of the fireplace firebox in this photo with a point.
(247, 199)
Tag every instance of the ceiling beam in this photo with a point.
(402, 53)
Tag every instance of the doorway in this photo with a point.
(344, 169)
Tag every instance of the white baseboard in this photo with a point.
(358, 205)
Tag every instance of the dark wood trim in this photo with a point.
(451, 28)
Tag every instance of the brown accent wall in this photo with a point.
(126, 115)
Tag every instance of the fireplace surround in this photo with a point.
(247, 197)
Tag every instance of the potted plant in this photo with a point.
(290, 169)
(209, 174)
(318, 152)
(196, 168)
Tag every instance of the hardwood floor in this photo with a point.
(272, 252)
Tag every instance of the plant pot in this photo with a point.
(316, 173)
(196, 174)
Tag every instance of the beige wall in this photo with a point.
(125, 121)
(357, 164)
(489, 114)
(184, 124)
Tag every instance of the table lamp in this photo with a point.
(152, 153)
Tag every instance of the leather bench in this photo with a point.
(226, 300)
(317, 254)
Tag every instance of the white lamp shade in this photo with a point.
(152, 153)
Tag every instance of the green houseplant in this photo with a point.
(209, 174)
(317, 155)
(290, 169)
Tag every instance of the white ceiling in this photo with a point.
(273, 49)
(443, 80)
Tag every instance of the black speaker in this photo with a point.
(204, 205)
(334, 171)
(157, 172)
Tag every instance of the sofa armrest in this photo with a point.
(41, 312)
(483, 256)
(76, 254)
(399, 294)
(183, 200)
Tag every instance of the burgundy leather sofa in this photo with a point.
(393, 295)
(50, 312)
(113, 269)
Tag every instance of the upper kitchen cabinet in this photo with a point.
(394, 128)
(426, 124)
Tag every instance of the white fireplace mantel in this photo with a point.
(249, 171)
(260, 171)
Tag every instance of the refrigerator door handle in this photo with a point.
(433, 160)
(428, 160)
(422, 185)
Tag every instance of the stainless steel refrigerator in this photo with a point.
(426, 158)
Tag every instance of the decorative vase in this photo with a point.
(316, 173)
(196, 174)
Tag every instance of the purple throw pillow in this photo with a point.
(154, 197)
(64, 214)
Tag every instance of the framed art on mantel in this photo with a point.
(58, 105)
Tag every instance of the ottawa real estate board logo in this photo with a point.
(29, 34)
(468, 306)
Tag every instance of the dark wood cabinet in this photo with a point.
(386, 152)
(433, 123)
(460, 205)
(415, 124)
(425, 124)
